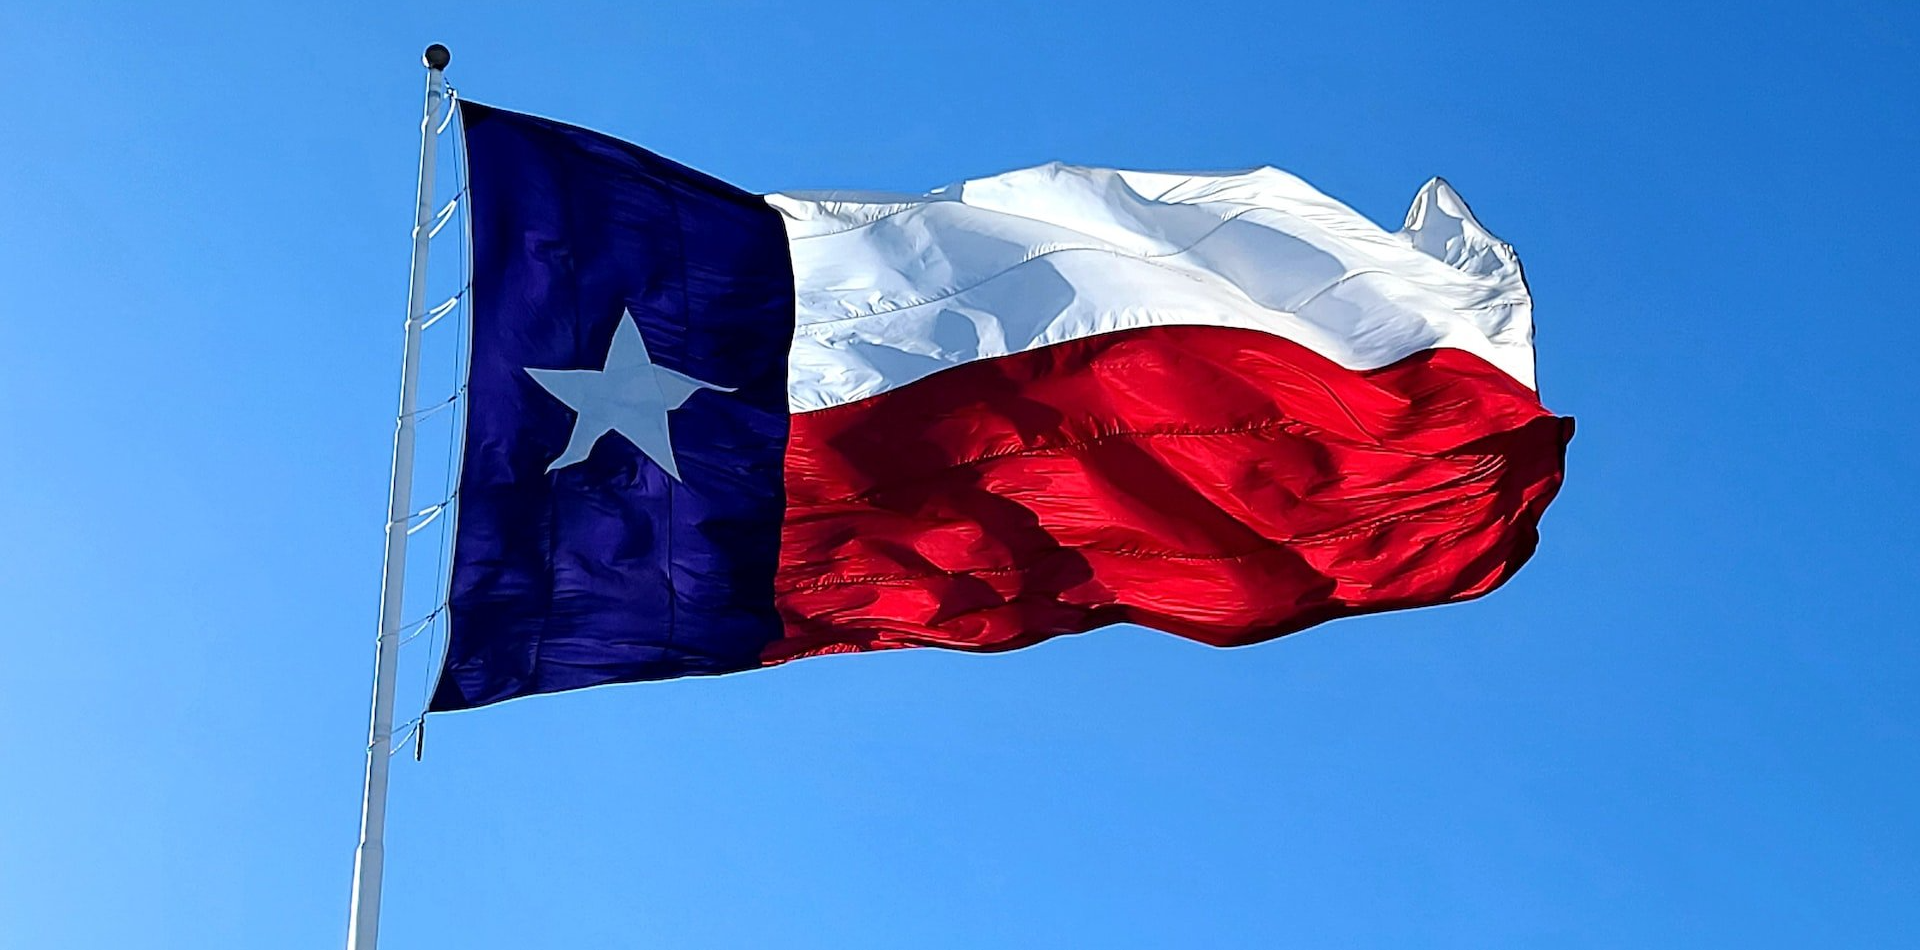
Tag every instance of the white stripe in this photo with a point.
(891, 288)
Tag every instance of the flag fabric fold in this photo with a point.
(1225, 406)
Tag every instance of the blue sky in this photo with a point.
(1691, 721)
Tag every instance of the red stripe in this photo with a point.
(1225, 485)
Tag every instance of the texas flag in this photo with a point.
(708, 430)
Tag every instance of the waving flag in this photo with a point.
(709, 431)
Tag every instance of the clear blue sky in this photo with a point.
(1691, 721)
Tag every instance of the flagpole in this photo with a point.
(363, 921)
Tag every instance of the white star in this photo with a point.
(628, 395)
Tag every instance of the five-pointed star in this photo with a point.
(628, 395)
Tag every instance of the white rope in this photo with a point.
(432, 514)
(446, 307)
(430, 509)
(419, 414)
(453, 96)
(406, 732)
(455, 445)
(446, 214)
(418, 627)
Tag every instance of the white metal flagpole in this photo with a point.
(363, 923)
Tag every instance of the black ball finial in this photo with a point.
(436, 57)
